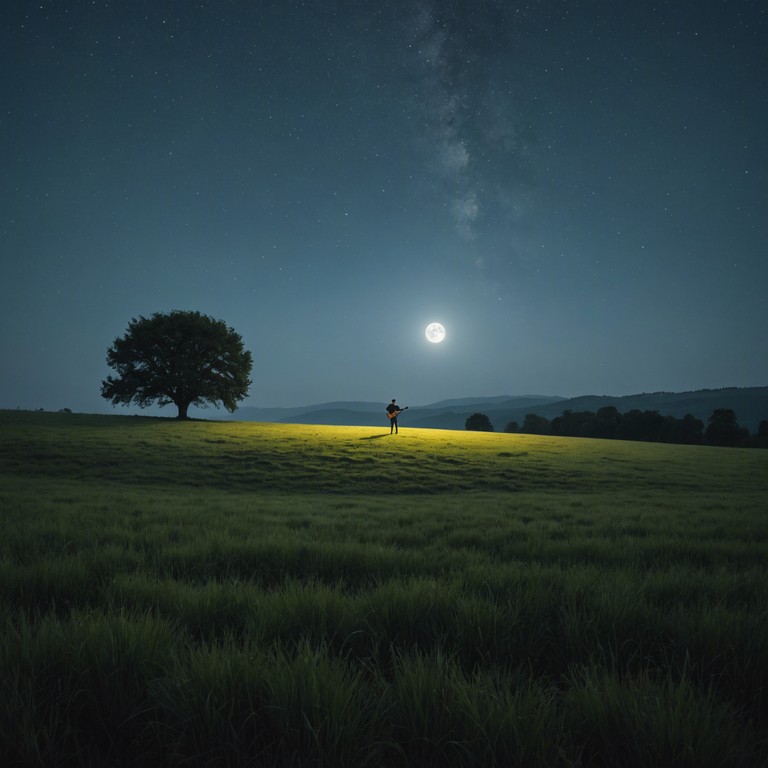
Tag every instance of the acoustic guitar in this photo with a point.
(396, 413)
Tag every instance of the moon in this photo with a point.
(435, 333)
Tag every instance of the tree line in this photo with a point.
(722, 427)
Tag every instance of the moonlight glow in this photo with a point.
(435, 333)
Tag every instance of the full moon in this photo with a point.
(435, 333)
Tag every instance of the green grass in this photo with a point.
(227, 593)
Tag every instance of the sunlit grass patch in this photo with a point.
(248, 457)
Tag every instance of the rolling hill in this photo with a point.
(749, 403)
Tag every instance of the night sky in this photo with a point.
(577, 191)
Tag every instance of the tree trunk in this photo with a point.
(183, 408)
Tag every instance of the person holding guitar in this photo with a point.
(393, 411)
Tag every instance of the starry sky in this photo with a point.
(576, 190)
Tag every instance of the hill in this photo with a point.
(194, 593)
(749, 403)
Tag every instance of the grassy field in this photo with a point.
(237, 594)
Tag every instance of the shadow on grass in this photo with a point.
(376, 437)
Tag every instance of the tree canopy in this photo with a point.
(181, 357)
(478, 422)
(723, 428)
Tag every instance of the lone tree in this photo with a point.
(478, 422)
(724, 429)
(184, 358)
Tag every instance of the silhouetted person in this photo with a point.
(393, 410)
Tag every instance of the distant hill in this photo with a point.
(749, 403)
(288, 415)
(452, 414)
(446, 414)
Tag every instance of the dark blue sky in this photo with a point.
(578, 191)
